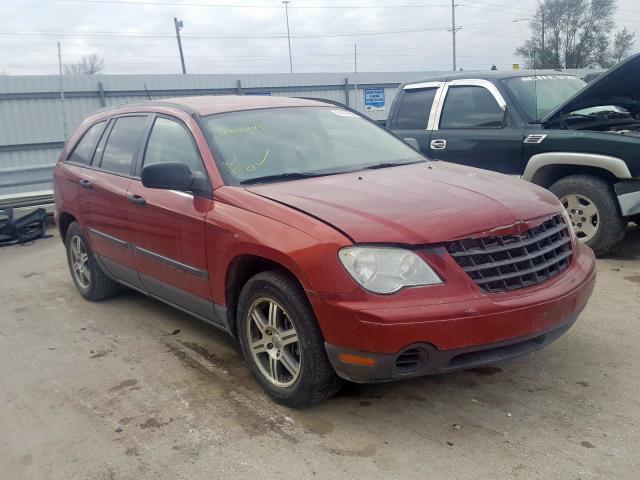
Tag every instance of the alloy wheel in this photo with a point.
(273, 342)
(80, 262)
(584, 215)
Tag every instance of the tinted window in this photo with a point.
(82, 152)
(171, 142)
(122, 144)
(469, 107)
(414, 109)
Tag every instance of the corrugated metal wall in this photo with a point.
(34, 122)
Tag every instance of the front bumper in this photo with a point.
(449, 326)
(424, 359)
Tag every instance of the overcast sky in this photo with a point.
(238, 36)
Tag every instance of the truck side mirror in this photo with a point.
(412, 142)
(505, 118)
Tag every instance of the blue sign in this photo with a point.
(373, 99)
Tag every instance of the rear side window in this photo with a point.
(471, 107)
(84, 148)
(171, 142)
(123, 144)
(414, 109)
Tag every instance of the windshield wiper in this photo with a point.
(392, 164)
(281, 176)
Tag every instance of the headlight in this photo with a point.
(386, 269)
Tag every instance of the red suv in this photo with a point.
(330, 248)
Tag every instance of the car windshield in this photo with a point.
(298, 142)
(539, 95)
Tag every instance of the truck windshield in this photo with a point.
(299, 142)
(539, 95)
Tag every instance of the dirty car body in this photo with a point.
(330, 248)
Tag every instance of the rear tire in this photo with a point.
(592, 205)
(282, 343)
(92, 283)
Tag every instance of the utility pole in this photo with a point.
(355, 58)
(286, 12)
(542, 54)
(179, 24)
(64, 110)
(454, 29)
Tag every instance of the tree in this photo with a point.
(88, 65)
(574, 34)
(622, 44)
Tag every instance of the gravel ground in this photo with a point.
(129, 388)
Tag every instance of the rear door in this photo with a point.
(411, 118)
(106, 185)
(472, 128)
(71, 182)
(170, 248)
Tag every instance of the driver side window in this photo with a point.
(470, 107)
(169, 141)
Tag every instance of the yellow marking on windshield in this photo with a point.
(239, 130)
(264, 159)
(234, 166)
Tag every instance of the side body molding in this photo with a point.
(614, 165)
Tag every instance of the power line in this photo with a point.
(270, 7)
(207, 35)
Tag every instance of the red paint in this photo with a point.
(302, 224)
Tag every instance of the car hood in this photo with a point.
(429, 202)
(617, 86)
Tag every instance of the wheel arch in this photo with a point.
(546, 168)
(64, 220)
(241, 268)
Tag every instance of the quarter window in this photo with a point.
(471, 107)
(123, 144)
(171, 142)
(82, 152)
(414, 109)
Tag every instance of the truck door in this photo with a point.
(472, 127)
(411, 118)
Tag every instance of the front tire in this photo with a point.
(92, 283)
(593, 208)
(282, 343)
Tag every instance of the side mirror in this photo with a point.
(505, 118)
(168, 176)
(412, 142)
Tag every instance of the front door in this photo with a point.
(170, 249)
(473, 129)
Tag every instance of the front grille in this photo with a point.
(509, 262)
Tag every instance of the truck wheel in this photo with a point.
(593, 208)
(282, 343)
(90, 280)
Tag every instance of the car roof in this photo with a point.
(212, 104)
(491, 75)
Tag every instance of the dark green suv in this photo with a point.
(581, 142)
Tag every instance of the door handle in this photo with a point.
(136, 199)
(438, 144)
(86, 183)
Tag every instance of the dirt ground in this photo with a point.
(132, 389)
